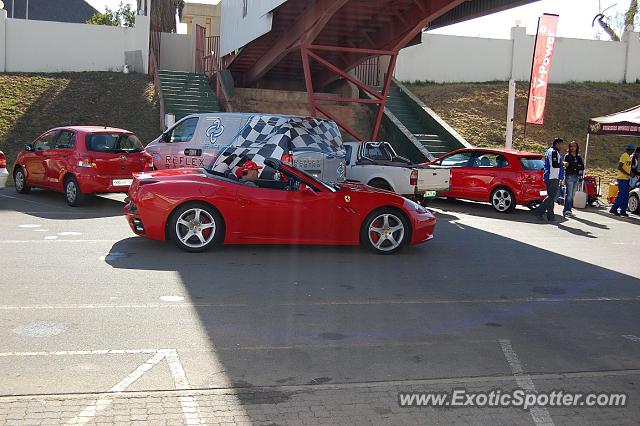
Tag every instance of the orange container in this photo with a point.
(613, 192)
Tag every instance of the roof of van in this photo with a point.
(248, 114)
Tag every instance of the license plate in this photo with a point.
(543, 193)
(121, 182)
(429, 194)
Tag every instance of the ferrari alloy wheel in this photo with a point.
(21, 181)
(385, 231)
(502, 200)
(196, 227)
(634, 203)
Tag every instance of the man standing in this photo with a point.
(624, 174)
(553, 174)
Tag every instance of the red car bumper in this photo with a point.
(528, 194)
(423, 226)
(94, 183)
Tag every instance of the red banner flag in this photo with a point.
(542, 57)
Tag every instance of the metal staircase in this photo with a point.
(426, 126)
(186, 93)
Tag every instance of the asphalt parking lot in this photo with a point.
(98, 325)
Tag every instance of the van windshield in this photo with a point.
(114, 142)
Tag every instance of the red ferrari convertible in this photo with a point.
(198, 209)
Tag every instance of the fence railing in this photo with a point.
(369, 71)
(200, 48)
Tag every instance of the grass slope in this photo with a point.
(33, 103)
(478, 112)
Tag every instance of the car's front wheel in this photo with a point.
(20, 181)
(196, 227)
(75, 197)
(634, 203)
(503, 200)
(385, 231)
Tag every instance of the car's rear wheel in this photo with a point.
(634, 203)
(20, 181)
(74, 195)
(196, 227)
(503, 200)
(385, 231)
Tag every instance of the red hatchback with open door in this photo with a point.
(80, 161)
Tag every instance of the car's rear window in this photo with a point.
(532, 163)
(114, 142)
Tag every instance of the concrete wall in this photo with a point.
(41, 46)
(444, 59)
(205, 15)
(177, 52)
(238, 30)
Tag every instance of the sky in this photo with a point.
(575, 17)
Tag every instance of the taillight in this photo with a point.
(87, 162)
(3, 161)
(148, 165)
(413, 180)
(287, 158)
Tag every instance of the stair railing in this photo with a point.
(224, 90)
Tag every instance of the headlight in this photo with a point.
(417, 206)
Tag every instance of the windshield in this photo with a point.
(328, 186)
(532, 163)
(114, 142)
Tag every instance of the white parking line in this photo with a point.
(632, 338)
(93, 352)
(323, 303)
(188, 402)
(100, 404)
(540, 415)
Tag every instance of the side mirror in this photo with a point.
(29, 147)
(166, 137)
(306, 190)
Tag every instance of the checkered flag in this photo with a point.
(266, 136)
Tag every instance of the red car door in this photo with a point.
(36, 162)
(271, 215)
(459, 163)
(487, 172)
(58, 158)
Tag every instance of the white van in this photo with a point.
(223, 141)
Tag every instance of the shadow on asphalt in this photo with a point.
(476, 208)
(52, 205)
(303, 311)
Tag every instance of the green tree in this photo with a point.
(123, 16)
(163, 14)
(620, 22)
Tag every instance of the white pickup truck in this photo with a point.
(377, 164)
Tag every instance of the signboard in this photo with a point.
(542, 58)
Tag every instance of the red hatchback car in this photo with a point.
(503, 177)
(81, 160)
(198, 209)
